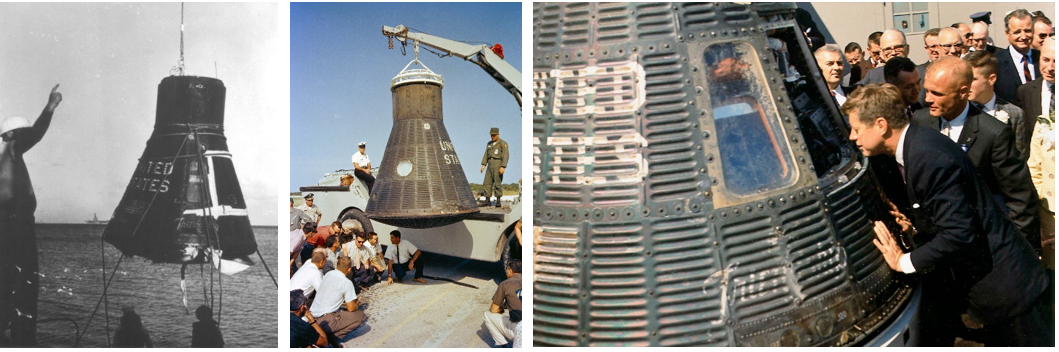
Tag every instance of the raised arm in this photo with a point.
(41, 125)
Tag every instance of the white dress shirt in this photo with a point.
(840, 95)
(1017, 58)
(956, 124)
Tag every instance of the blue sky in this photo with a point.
(108, 59)
(340, 81)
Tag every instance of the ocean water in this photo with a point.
(72, 284)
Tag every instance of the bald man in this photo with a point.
(1042, 151)
(950, 43)
(980, 38)
(989, 143)
(893, 45)
(19, 282)
(965, 34)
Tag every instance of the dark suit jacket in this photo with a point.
(1007, 77)
(991, 147)
(922, 75)
(856, 73)
(1017, 121)
(961, 228)
(874, 75)
(1028, 98)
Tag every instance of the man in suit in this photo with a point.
(1042, 29)
(980, 37)
(965, 34)
(1042, 157)
(984, 66)
(988, 142)
(858, 64)
(969, 256)
(905, 75)
(1037, 97)
(829, 59)
(893, 45)
(874, 50)
(950, 43)
(1018, 63)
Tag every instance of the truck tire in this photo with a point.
(358, 216)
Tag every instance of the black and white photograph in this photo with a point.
(137, 193)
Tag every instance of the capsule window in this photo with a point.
(755, 157)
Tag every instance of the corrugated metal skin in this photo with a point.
(635, 250)
(150, 219)
(435, 192)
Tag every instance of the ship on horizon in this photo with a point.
(95, 220)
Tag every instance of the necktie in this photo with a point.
(902, 168)
(1051, 95)
(945, 128)
(1026, 68)
(398, 253)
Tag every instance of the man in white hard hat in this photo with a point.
(19, 282)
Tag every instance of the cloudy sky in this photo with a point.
(108, 60)
(340, 75)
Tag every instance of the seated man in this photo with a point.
(362, 166)
(309, 276)
(508, 297)
(403, 256)
(332, 246)
(361, 255)
(335, 290)
(304, 333)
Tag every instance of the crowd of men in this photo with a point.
(964, 147)
(331, 265)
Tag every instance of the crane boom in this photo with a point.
(481, 55)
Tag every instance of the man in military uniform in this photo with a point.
(495, 159)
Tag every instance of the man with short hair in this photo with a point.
(950, 43)
(965, 34)
(829, 59)
(297, 217)
(362, 166)
(310, 209)
(495, 160)
(930, 44)
(858, 64)
(984, 66)
(969, 256)
(893, 45)
(336, 290)
(874, 50)
(331, 246)
(361, 255)
(308, 277)
(1018, 63)
(1042, 29)
(989, 143)
(307, 332)
(508, 298)
(902, 73)
(402, 257)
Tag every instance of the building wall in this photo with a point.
(844, 22)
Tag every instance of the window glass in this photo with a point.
(754, 153)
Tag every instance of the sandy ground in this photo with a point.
(435, 314)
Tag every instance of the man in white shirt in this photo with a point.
(336, 290)
(308, 277)
(402, 257)
(362, 166)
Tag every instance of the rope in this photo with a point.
(103, 271)
(267, 269)
(207, 217)
(106, 285)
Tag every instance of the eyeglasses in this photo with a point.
(967, 36)
(896, 48)
(931, 47)
(1045, 35)
(950, 46)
